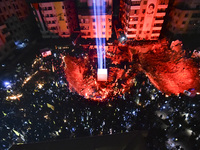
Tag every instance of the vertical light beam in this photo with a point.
(99, 15)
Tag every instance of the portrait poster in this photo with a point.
(150, 10)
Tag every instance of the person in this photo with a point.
(151, 8)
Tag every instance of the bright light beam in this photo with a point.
(99, 14)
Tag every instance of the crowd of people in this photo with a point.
(48, 110)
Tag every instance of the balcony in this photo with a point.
(84, 27)
(131, 35)
(52, 25)
(47, 12)
(131, 29)
(135, 7)
(158, 21)
(133, 22)
(162, 6)
(160, 14)
(157, 28)
(50, 18)
(155, 34)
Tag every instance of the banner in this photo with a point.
(150, 10)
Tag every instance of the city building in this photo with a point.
(6, 43)
(55, 19)
(13, 25)
(87, 21)
(142, 19)
(185, 17)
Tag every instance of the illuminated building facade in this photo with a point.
(13, 25)
(142, 19)
(87, 20)
(185, 17)
(55, 19)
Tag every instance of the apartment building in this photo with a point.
(88, 23)
(185, 17)
(55, 19)
(142, 19)
(13, 14)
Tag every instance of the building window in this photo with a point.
(133, 19)
(161, 10)
(196, 15)
(94, 27)
(145, 2)
(131, 32)
(156, 31)
(104, 26)
(135, 3)
(158, 25)
(159, 18)
(186, 15)
(93, 20)
(103, 33)
(140, 32)
(49, 8)
(135, 11)
(87, 21)
(143, 11)
(83, 33)
(142, 19)
(132, 26)
(141, 25)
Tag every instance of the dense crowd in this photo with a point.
(48, 110)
